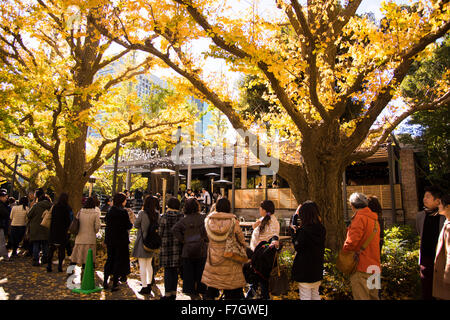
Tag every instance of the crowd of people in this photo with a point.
(202, 242)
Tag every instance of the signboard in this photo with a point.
(139, 154)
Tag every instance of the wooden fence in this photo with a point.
(284, 199)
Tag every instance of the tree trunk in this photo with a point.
(74, 175)
(321, 183)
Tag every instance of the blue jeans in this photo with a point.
(37, 247)
(170, 280)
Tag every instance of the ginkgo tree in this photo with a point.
(315, 56)
(56, 101)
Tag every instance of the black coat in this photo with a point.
(117, 225)
(309, 242)
(4, 216)
(117, 240)
(59, 224)
(191, 232)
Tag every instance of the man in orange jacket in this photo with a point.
(365, 282)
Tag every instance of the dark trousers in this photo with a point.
(117, 262)
(17, 233)
(426, 277)
(61, 254)
(264, 289)
(233, 294)
(192, 276)
(68, 246)
(170, 279)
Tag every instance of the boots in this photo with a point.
(145, 290)
(115, 285)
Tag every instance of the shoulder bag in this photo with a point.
(347, 261)
(234, 250)
(47, 218)
(75, 224)
(278, 281)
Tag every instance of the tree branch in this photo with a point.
(385, 94)
(11, 168)
(311, 57)
(438, 103)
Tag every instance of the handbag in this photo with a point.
(75, 225)
(347, 261)
(153, 240)
(234, 250)
(47, 218)
(278, 281)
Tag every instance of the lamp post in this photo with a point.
(91, 184)
(212, 175)
(14, 175)
(165, 173)
(116, 163)
(222, 184)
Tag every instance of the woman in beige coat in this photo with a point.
(221, 273)
(90, 224)
(441, 277)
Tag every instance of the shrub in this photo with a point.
(286, 259)
(399, 268)
(399, 262)
(335, 286)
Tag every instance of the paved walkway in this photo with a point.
(19, 280)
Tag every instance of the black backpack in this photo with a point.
(152, 240)
(193, 245)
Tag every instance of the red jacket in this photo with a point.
(360, 229)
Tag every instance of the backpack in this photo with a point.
(193, 241)
(262, 263)
(152, 241)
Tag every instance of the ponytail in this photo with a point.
(269, 207)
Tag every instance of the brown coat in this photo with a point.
(222, 273)
(441, 277)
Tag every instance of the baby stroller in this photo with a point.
(257, 271)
